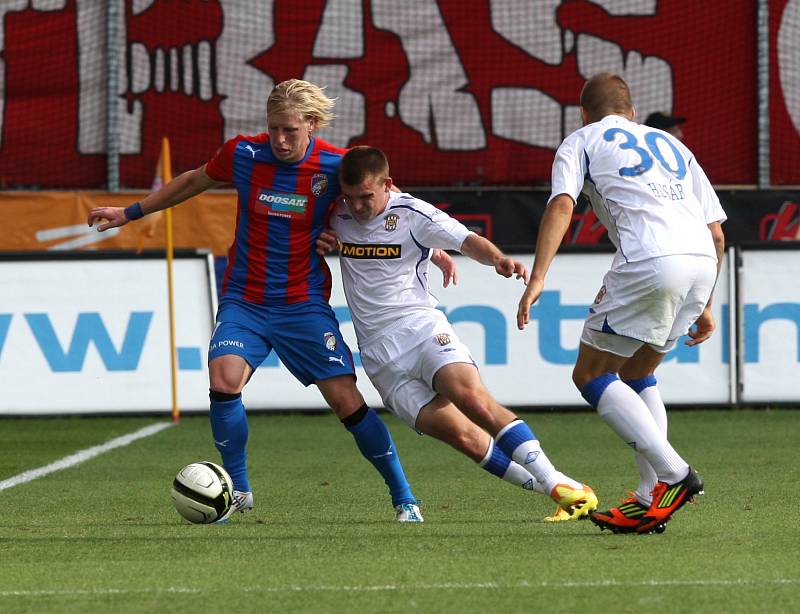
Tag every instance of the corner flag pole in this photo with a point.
(166, 173)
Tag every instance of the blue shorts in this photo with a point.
(305, 336)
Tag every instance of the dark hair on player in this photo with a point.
(362, 163)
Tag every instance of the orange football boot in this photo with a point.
(668, 499)
(622, 519)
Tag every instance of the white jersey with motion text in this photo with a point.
(645, 187)
(385, 261)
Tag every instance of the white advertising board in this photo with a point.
(92, 335)
(523, 368)
(770, 325)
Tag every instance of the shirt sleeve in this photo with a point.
(432, 227)
(569, 170)
(220, 166)
(704, 191)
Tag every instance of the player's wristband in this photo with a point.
(134, 212)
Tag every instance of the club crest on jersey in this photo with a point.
(330, 341)
(600, 295)
(319, 183)
(390, 222)
(442, 338)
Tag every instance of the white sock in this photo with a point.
(630, 418)
(517, 474)
(647, 475)
(522, 447)
(529, 455)
(497, 462)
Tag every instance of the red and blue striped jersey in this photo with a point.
(282, 209)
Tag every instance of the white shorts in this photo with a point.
(402, 363)
(653, 301)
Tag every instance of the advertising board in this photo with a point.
(531, 367)
(770, 325)
(91, 334)
(83, 334)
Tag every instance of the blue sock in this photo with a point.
(517, 441)
(593, 390)
(497, 462)
(230, 430)
(375, 443)
(512, 436)
(640, 384)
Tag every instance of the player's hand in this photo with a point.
(532, 293)
(327, 242)
(703, 328)
(508, 267)
(447, 265)
(112, 216)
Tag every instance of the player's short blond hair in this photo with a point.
(363, 163)
(606, 94)
(307, 99)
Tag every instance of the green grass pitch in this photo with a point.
(103, 536)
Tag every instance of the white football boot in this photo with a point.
(408, 512)
(242, 501)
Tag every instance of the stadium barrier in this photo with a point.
(56, 221)
(85, 333)
(768, 323)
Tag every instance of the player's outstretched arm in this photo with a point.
(183, 187)
(447, 265)
(484, 251)
(555, 221)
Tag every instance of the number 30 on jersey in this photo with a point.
(645, 158)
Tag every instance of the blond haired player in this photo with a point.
(423, 372)
(276, 288)
(664, 218)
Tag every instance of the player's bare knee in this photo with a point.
(344, 402)
(226, 380)
(341, 395)
(227, 385)
(341, 408)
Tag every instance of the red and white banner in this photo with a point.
(784, 105)
(477, 93)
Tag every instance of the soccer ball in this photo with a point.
(202, 492)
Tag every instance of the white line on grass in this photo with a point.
(83, 455)
(405, 587)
